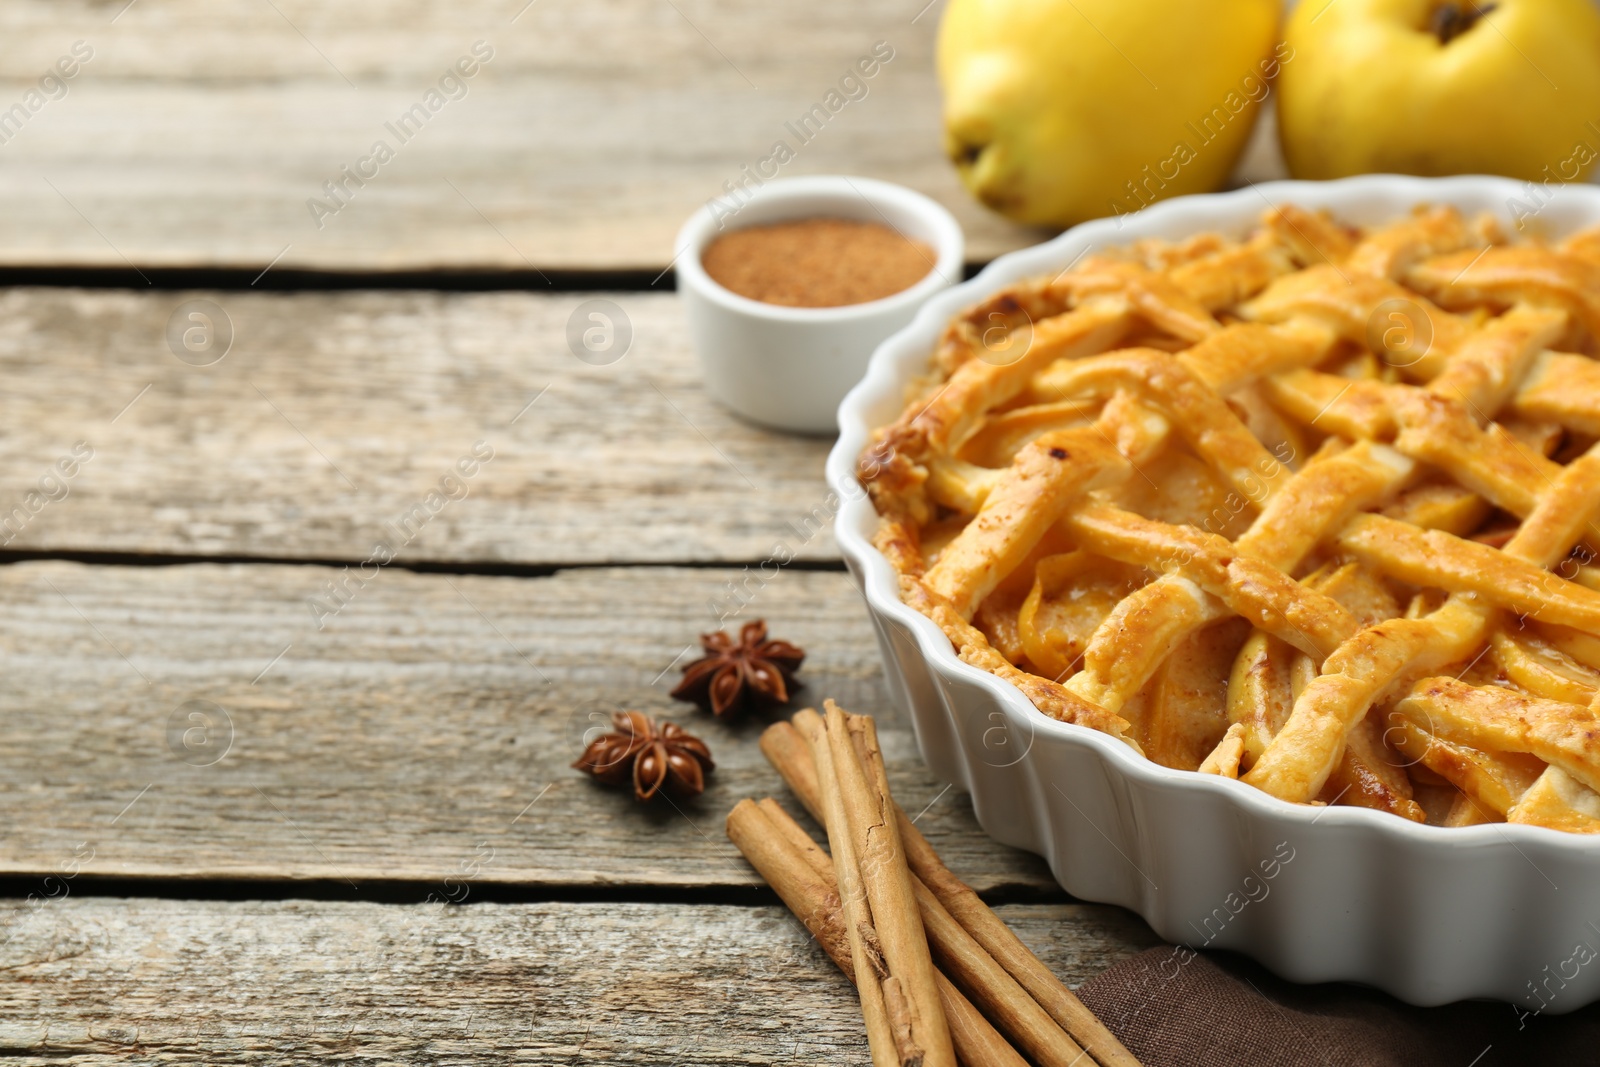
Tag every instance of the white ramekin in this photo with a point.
(1429, 914)
(789, 367)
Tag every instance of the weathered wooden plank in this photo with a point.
(252, 982)
(425, 730)
(334, 415)
(197, 133)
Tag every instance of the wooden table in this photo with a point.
(241, 827)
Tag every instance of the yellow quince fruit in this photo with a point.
(1056, 111)
(1442, 87)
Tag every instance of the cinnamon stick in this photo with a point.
(905, 1022)
(1007, 950)
(1001, 998)
(786, 748)
(855, 909)
(962, 960)
(799, 840)
(802, 875)
(862, 778)
(789, 755)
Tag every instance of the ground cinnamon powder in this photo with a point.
(817, 262)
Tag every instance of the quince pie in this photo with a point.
(1314, 509)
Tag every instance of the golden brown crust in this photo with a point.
(1203, 496)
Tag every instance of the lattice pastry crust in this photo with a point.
(1314, 509)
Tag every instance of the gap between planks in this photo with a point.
(413, 891)
(424, 566)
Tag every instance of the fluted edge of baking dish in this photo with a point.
(1429, 914)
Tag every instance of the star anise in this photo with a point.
(652, 755)
(734, 675)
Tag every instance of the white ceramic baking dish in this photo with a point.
(1429, 914)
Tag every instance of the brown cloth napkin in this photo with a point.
(1174, 1008)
